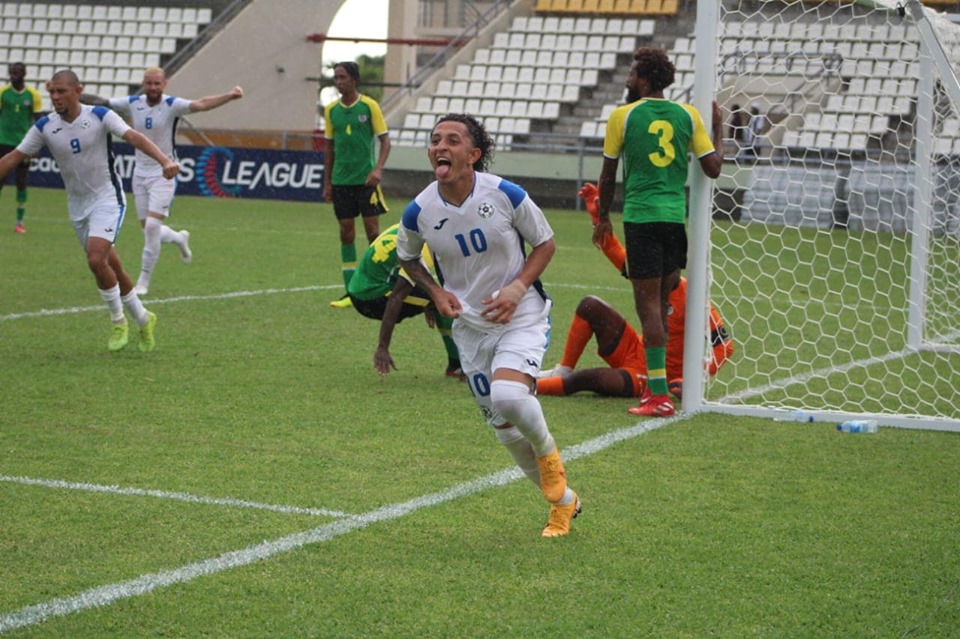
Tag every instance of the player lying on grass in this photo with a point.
(381, 290)
(619, 344)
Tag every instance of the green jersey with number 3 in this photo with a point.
(652, 137)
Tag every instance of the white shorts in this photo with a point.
(153, 195)
(520, 346)
(101, 219)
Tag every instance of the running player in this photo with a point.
(476, 225)
(155, 114)
(78, 137)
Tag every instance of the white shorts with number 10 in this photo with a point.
(153, 195)
(519, 345)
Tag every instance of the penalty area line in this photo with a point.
(109, 594)
(73, 310)
(169, 300)
(163, 494)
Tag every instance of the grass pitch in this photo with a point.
(255, 477)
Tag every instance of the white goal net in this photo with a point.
(833, 252)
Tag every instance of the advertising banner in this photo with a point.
(217, 171)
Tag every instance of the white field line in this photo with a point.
(71, 310)
(823, 372)
(170, 300)
(111, 593)
(163, 494)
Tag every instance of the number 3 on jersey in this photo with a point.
(666, 152)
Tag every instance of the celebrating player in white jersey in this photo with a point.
(78, 137)
(155, 115)
(476, 225)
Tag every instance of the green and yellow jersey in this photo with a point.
(17, 109)
(352, 130)
(653, 136)
(378, 269)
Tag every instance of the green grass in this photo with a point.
(708, 526)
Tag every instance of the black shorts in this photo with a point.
(413, 304)
(654, 249)
(351, 201)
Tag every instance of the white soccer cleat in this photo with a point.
(185, 254)
(140, 290)
(556, 371)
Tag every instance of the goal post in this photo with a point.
(833, 253)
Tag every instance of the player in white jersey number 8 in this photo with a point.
(156, 114)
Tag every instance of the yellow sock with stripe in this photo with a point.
(657, 370)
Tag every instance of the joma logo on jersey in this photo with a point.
(486, 209)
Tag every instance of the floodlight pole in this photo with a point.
(701, 209)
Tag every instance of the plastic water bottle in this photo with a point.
(858, 426)
(797, 416)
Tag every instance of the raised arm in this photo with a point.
(214, 101)
(95, 100)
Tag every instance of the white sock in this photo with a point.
(521, 451)
(135, 307)
(152, 232)
(112, 297)
(516, 402)
(168, 235)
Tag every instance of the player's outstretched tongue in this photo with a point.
(443, 168)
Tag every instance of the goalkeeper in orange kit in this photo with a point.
(619, 344)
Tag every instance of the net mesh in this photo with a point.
(835, 250)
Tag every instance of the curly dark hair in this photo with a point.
(654, 65)
(481, 139)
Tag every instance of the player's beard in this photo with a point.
(632, 95)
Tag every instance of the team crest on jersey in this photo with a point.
(486, 209)
(84, 124)
(361, 119)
